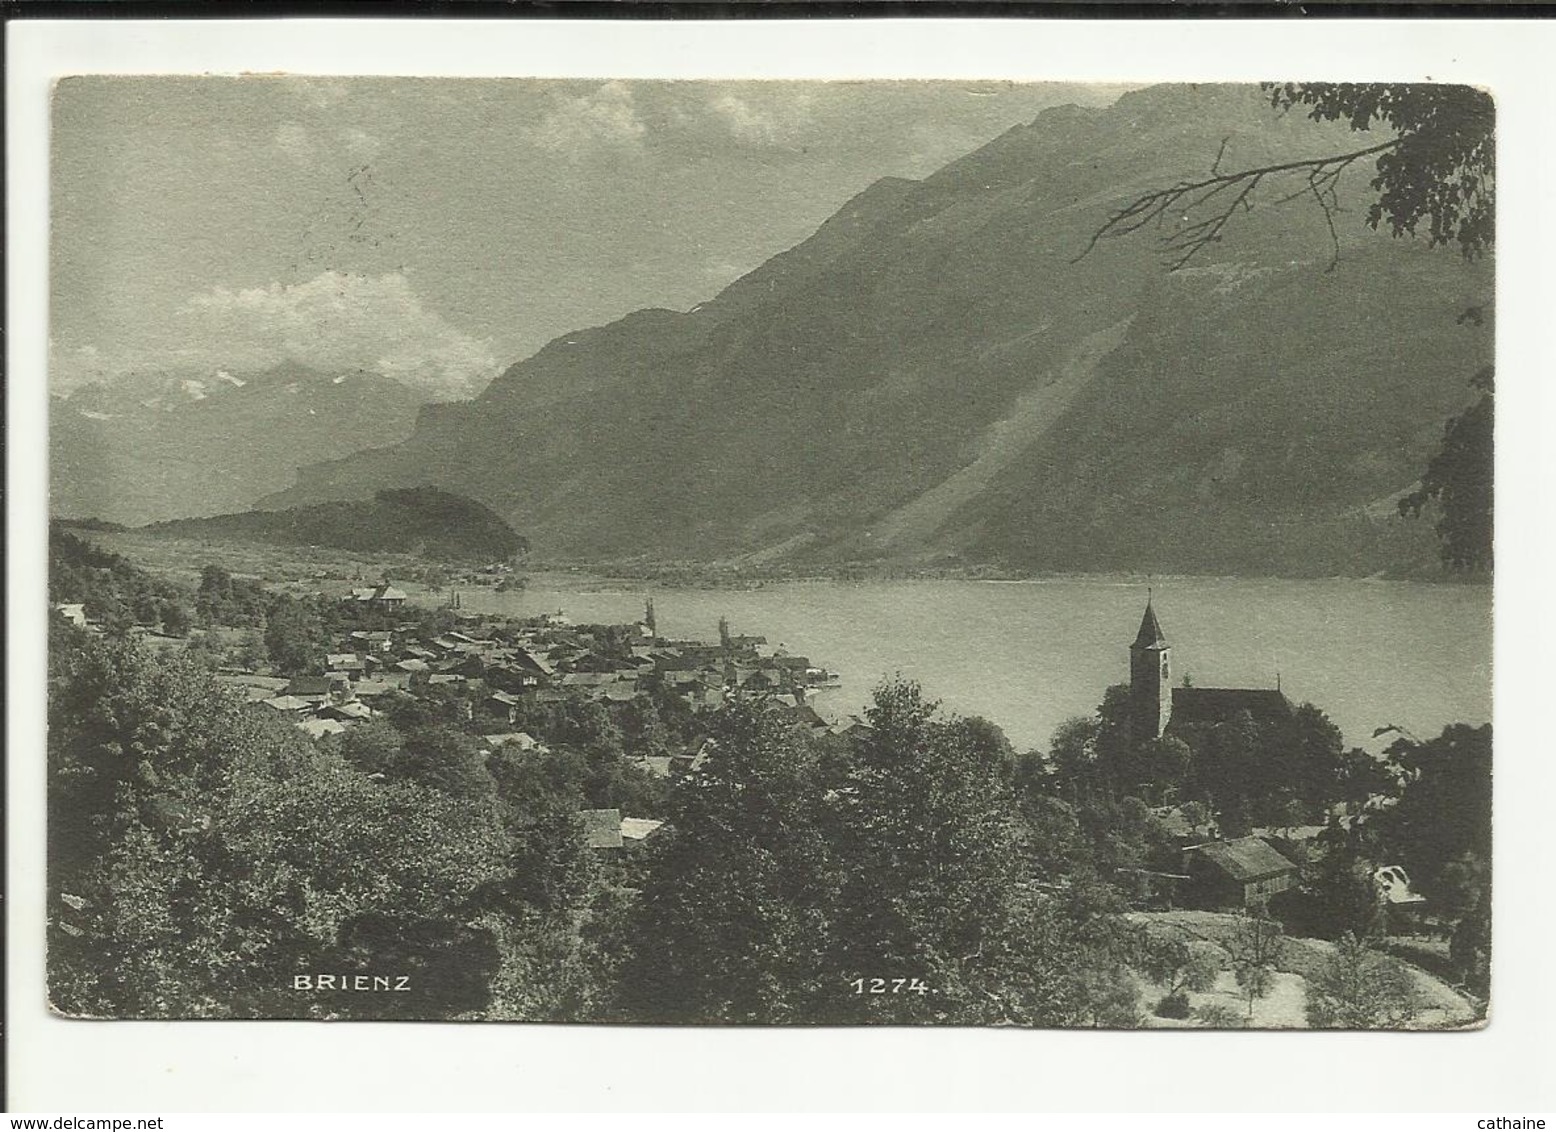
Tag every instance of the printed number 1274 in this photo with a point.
(889, 986)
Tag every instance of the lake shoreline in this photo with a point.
(563, 575)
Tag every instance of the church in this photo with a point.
(1156, 707)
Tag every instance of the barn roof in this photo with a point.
(1245, 858)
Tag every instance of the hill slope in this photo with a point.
(425, 521)
(935, 376)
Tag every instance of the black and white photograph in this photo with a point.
(771, 552)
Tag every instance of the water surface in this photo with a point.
(1029, 655)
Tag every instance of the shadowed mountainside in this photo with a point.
(935, 377)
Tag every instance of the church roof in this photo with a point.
(1216, 705)
(1150, 634)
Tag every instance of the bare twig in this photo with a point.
(1215, 166)
(1189, 237)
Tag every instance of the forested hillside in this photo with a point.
(421, 520)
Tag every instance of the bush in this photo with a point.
(1216, 1016)
(1175, 1005)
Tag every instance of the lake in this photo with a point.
(1028, 655)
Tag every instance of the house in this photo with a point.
(320, 689)
(634, 831)
(803, 715)
(703, 694)
(287, 703)
(852, 725)
(1241, 873)
(382, 596)
(74, 612)
(318, 728)
(531, 664)
(373, 641)
(387, 597)
(523, 740)
(601, 828)
(689, 761)
(586, 679)
(344, 662)
(504, 704)
(350, 712)
(256, 688)
(1393, 885)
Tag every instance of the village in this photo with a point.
(490, 671)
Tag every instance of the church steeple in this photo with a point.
(1150, 634)
(1150, 678)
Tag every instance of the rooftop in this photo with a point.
(1244, 858)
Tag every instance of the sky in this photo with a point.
(439, 230)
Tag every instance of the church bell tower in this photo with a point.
(1150, 679)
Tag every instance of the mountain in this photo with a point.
(938, 375)
(423, 521)
(157, 446)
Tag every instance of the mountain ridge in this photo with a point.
(173, 444)
(864, 373)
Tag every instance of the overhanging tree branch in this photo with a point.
(1235, 190)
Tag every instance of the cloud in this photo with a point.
(359, 144)
(781, 122)
(607, 116)
(294, 140)
(303, 145)
(332, 323)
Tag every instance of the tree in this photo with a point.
(1255, 947)
(733, 922)
(1179, 966)
(1458, 481)
(1444, 810)
(1336, 895)
(1437, 169)
(553, 903)
(446, 760)
(175, 619)
(1359, 989)
(294, 637)
(1073, 754)
(1436, 173)
(202, 853)
(925, 827)
(936, 885)
(1196, 814)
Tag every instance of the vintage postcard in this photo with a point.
(637, 551)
